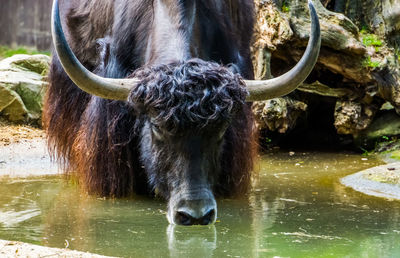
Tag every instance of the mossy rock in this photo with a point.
(381, 181)
(12, 106)
(22, 87)
(389, 174)
(383, 128)
(38, 64)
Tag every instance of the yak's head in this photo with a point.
(186, 108)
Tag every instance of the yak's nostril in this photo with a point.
(198, 208)
(183, 218)
(208, 218)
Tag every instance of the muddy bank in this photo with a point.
(19, 249)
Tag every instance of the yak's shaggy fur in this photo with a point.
(99, 139)
(188, 96)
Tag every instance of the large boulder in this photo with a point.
(22, 87)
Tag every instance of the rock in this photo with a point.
(387, 79)
(279, 114)
(381, 181)
(273, 28)
(352, 117)
(382, 128)
(20, 249)
(357, 65)
(12, 106)
(22, 87)
(323, 90)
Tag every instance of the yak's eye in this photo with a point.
(222, 132)
(221, 135)
(156, 132)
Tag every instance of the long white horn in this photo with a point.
(288, 82)
(117, 89)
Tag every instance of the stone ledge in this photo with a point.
(19, 249)
(362, 181)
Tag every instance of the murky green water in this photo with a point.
(297, 209)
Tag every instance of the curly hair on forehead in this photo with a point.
(190, 94)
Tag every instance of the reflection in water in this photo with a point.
(297, 208)
(184, 241)
(11, 219)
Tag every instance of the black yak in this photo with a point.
(151, 98)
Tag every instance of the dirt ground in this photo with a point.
(23, 151)
(12, 133)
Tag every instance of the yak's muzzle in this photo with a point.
(194, 208)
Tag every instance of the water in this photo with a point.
(297, 208)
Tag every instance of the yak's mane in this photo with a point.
(188, 95)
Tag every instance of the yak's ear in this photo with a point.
(233, 68)
(103, 52)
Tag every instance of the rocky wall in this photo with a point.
(356, 79)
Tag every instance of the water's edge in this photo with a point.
(23, 159)
(26, 158)
(360, 183)
(20, 249)
(293, 198)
